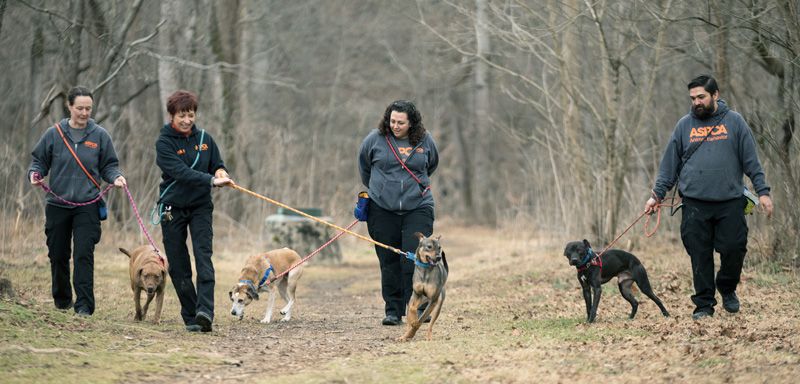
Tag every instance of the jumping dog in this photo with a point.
(253, 279)
(430, 276)
(594, 270)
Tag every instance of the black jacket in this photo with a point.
(175, 154)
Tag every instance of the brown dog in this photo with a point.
(430, 275)
(254, 277)
(148, 273)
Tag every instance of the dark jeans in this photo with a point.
(198, 222)
(397, 231)
(64, 227)
(706, 227)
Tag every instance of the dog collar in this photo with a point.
(266, 275)
(249, 283)
(411, 256)
(590, 259)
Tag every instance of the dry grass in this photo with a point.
(513, 313)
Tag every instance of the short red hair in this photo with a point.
(181, 101)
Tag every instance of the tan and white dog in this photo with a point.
(148, 273)
(254, 277)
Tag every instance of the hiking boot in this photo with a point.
(730, 302)
(204, 321)
(391, 320)
(701, 314)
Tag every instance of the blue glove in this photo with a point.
(362, 206)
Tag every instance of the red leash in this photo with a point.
(646, 223)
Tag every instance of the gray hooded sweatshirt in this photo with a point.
(714, 171)
(389, 185)
(67, 179)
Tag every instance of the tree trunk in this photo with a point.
(483, 139)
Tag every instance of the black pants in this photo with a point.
(710, 226)
(198, 222)
(397, 231)
(64, 227)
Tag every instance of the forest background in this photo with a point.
(550, 116)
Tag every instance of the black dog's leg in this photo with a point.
(587, 297)
(627, 293)
(596, 290)
(640, 275)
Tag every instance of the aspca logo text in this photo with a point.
(181, 151)
(405, 151)
(90, 144)
(203, 147)
(717, 132)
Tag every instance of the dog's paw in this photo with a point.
(285, 319)
(402, 339)
(264, 321)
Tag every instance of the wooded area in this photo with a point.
(551, 114)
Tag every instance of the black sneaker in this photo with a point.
(83, 313)
(64, 307)
(192, 327)
(391, 320)
(701, 314)
(730, 302)
(204, 321)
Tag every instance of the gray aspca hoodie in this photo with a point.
(67, 179)
(714, 171)
(389, 185)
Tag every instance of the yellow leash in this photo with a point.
(301, 213)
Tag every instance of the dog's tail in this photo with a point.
(125, 251)
(444, 260)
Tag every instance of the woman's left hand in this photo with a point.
(120, 182)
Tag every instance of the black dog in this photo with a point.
(594, 270)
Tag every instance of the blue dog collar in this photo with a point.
(586, 260)
(411, 256)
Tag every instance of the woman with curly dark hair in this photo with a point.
(396, 162)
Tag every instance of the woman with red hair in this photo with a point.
(191, 164)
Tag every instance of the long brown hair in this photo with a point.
(416, 131)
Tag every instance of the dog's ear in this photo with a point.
(419, 235)
(586, 243)
(252, 292)
(230, 295)
(125, 251)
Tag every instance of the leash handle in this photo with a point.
(318, 220)
(141, 225)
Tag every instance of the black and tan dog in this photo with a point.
(594, 270)
(148, 273)
(253, 279)
(430, 276)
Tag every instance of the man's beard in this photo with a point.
(703, 112)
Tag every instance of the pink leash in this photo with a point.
(141, 224)
(310, 255)
(47, 189)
